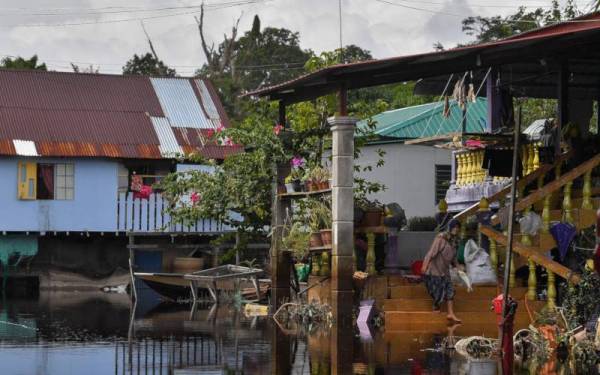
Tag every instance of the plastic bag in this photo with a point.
(478, 264)
(302, 270)
(530, 223)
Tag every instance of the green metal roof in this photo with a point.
(427, 120)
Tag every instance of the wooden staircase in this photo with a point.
(408, 309)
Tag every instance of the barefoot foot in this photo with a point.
(454, 318)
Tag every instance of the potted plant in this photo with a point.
(314, 223)
(296, 240)
(308, 181)
(320, 177)
(324, 211)
(293, 180)
(373, 212)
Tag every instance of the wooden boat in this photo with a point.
(172, 286)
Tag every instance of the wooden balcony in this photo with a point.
(151, 216)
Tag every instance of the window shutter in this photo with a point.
(27, 180)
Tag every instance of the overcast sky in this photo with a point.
(84, 31)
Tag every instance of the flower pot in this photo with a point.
(323, 185)
(372, 218)
(297, 185)
(326, 236)
(315, 239)
(281, 189)
(310, 186)
(289, 187)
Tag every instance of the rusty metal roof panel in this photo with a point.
(179, 102)
(7, 147)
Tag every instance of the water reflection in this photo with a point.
(96, 333)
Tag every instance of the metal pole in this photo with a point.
(511, 214)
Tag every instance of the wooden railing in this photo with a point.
(151, 216)
(524, 181)
(523, 244)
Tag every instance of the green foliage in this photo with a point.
(147, 65)
(422, 224)
(297, 239)
(581, 301)
(22, 63)
(487, 29)
(586, 357)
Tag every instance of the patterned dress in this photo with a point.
(437, 262)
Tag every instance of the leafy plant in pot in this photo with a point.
(320, 177)
(296, 240)
(373, 212)
(293, 181)
(323, 210)
(314, 223)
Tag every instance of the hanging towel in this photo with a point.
(563, 234)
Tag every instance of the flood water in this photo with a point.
(96, 333)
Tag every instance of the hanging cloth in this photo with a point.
(446, 106)
(563, 234)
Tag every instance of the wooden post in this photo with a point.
(371, 254)
(567, 203)
(280, 261)
(531, 281)
(587, 203)
(493, 255)
(511, 218)
(563, 99)
(551, 289)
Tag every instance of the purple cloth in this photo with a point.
(563, 234)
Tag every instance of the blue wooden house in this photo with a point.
(71, 145)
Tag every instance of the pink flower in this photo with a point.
(195, 197)
(220, 128)
(277, 129)
(210, 133)
(297, 162)
(228, 142)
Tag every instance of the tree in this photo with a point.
(487, 29)
(147, 65)
(91, 69)
(22, 63)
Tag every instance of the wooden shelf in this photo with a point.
(303, 194)
(320, 248)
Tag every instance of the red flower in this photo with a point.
(277, 129)
(195, 197)
(210, 133)
(220, 128)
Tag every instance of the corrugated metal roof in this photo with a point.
(97, 115)
(427, 120)
(209, 106)
(25, 148)
(179, 103)
(581, 31)
(166, 137)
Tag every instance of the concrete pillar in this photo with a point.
(342, 263)
(342, 129)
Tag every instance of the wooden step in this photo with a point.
(460, 305)
(479, 292)
(415, 320)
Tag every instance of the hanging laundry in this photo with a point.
(563, 234)
(459, 94)
(471, 94)
(446, 106)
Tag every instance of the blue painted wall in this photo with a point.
(93, 209)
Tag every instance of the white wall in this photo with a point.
(408, 174)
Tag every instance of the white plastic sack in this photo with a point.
(478, 264)
(530, 223)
